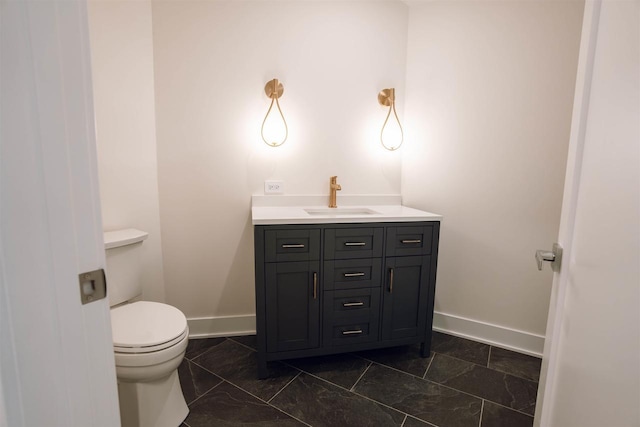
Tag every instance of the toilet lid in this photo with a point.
(146, 326)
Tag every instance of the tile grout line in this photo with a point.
(267, 403)
(484, 367)
(206, 392)
(424, 377)
(404, 420)
(283, 387)
(481, 412)
(353, 387)
(244, 345)
(355, 393)
(489, 357)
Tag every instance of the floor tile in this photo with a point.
(239, 365)
(248, 340)
(321, 404)
(505, 389)
(195, 381)
(227, 406)
(198, 346)
(498, 416)
(460, 348)
(414, 422)
(404, 358)
(341, 369)
(424, 400)
(518, 364)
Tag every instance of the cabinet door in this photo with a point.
(406, 294)
(292, 305)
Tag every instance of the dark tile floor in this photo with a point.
(463, 383)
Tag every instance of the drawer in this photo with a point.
(351, 316)
(292, 245)
(352, 273)
(352, 304)
(345, 243)
(410, 240)
(351, 333)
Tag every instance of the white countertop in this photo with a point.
(269, 210)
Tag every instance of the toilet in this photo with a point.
(149, 340)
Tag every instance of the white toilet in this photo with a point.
(149, 340)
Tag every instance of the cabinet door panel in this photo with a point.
(293, 305)
(405, 297)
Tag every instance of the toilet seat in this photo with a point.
(147, 327)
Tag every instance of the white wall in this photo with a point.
(212, 60)
(489, 96)
(122, 68)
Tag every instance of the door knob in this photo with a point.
(554, 257)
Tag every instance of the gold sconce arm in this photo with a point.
(274, 90)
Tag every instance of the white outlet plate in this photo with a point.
(273, 187)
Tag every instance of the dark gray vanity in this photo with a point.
(332, 287)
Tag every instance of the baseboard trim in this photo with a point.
(226, 326)
(499, 336)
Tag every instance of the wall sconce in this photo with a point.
(274, 131)
(391, 135)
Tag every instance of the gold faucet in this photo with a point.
(333, 187)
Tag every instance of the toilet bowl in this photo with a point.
(149, 340)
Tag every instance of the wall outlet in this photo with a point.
(273, 187)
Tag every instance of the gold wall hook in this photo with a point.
(387, 98)
(274, 90)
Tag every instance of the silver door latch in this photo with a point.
(554, 257)
(93, 286)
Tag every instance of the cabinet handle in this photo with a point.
(353, 274)
(391, 280)
(411, 241)
(315, 285)
(353, 304)
(353, 332)
(300, 245)
(355, 243)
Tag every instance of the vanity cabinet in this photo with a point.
(332, 288)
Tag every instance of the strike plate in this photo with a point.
(93, 286)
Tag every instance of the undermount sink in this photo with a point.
(341, 211)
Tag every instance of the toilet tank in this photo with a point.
(123, 264)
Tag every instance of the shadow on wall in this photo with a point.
(237, 296)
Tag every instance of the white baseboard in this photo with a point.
(228, 326)
(499, 336)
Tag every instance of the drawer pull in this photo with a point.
(300, 245)
(353, 304)
(355, 243)
(391, 280)
(353, 332)
(406, 242)
(353, 274)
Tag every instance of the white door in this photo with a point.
(57, 366)
(591, 364)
